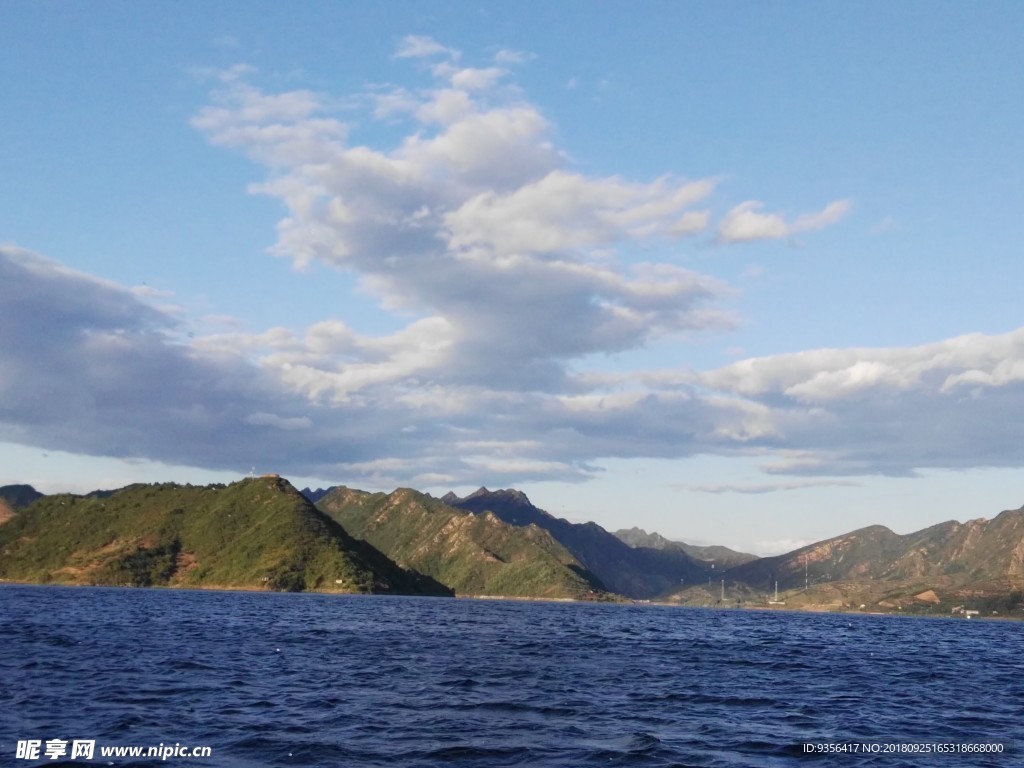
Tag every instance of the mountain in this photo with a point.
(722, 557)
(18, 496)
(319, 493)
(638, 537)
(261, 533)
(941, 568)
(13, 498)
(472, 554)
(257, 533)
(635, 572)
(956, 553)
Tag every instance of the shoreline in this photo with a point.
(624, 602)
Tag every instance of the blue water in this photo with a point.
(314, 680)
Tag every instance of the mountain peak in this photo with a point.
(505, 494)
(18, 496)
(512, 493)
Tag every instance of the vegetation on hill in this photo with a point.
(472, 554)
(958, 553)
(254, 534)
(639, 573)
(945, 569)
(261, 533)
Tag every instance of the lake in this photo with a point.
(268, 679)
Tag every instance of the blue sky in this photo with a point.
(741, 273)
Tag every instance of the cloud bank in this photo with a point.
(89, 366)
(512, 271)
(745, 222)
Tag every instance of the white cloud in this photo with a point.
(395, 101)
(890, 410)
(279, 130)
(817, 376)
(745, 222)
(565, 212)
(470, 79)
(387, 410)
(774, 547)
(994, 373)
(88, 367)
(761, 488)
(476, 223)
(446, 107)
(690, 223)
(421, 46)
(471, 220)
(509, 56)
(512, 271)
(830, 214)
(490, 466)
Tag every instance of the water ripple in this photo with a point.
(312, 680)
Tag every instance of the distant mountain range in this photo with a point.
(261, 533)
(636, 572)
(722, 557)
(948, 563)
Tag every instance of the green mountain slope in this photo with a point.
(637, 573)
(472, 554)
(254, 534)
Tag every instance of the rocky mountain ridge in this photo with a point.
(473, 554)
(639, 573)
(486, 543)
